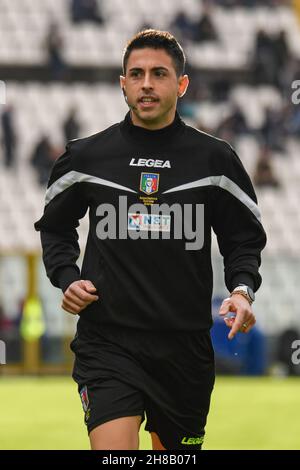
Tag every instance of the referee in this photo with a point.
(154, 188)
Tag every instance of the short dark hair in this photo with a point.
(156, 39)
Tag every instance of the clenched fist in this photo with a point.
(78, 296)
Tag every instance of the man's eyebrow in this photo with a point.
(140, 69)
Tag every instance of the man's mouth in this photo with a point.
(148, 101)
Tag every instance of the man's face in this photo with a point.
(152, 87)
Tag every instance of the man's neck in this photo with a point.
(152, 125)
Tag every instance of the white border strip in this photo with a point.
(73, 177)
(224, 183)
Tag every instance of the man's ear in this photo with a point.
(183, 85)
(122, 81)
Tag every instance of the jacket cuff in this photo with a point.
(66, 275)
(242, 278)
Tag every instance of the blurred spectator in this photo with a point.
(282, 57)
(271, 58)
(54, 46)
(5, 323)
(183, 27)
(71, 126)
(232, 126)
(85, 10)
(8, 136)
(292, 120)
(220, 89)
(264, 175)
(281, 49)
(197, 31)
(43, 158)
(265, 70)
(204, 29)
(272, 130)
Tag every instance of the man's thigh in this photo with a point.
(117, 434)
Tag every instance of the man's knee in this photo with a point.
(117, 434)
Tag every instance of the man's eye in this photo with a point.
(135, 74)
(160, 73)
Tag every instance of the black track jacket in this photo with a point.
(154, 282)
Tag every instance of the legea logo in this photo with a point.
(192, 440)
(150, 162)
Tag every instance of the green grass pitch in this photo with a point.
(246, 413)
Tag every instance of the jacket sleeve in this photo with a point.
(236, 223)
(64, 206)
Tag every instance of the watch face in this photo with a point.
(251, 293)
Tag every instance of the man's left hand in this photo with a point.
(243, 319)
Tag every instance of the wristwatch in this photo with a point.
(246, 291)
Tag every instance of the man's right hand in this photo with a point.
(78, 296)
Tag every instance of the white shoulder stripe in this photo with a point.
(224, 183)
(73, 177)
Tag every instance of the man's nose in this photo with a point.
(147, 83)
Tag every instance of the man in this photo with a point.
(142, 341)
(9, 139)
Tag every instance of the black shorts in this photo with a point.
(126, 372)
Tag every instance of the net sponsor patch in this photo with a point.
(149, 222)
